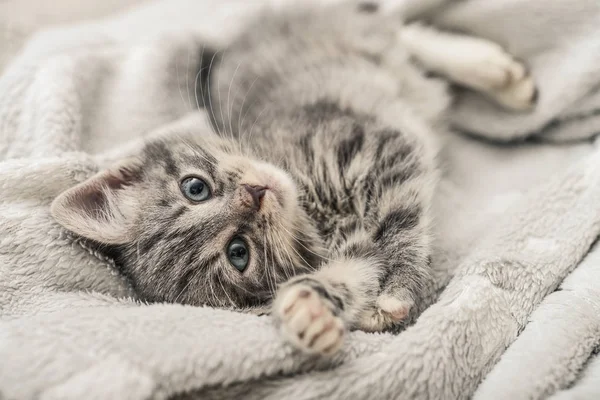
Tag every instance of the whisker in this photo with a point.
(233, 282)
(305, 248)
(187, 285)
(201, 85)
(286, 253)
(216, 300)
(185, 141)
(224, 126)
(196, 89)
(275, 248)
(178, 79)
(209, 93)
(187, 77)
(252, 128)
(229, 110)
(272, 270)
(241, 110)
(247, 132)
(233, 304)
(271, 288)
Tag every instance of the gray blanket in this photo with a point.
(520, 313)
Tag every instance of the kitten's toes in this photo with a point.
(487, 67)
(500, 70)
(389, 311)
(307, 321)
(520, 95)
(507, 81)
(484, 65)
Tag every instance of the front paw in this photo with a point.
(307, 320)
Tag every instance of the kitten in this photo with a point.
(313, 194)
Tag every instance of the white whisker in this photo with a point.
(241, 110)
(229, 110)
(272, 270)
(305, 248)
(252, 128)
(187, 285)
(209, 94)
(225, 291)
(187, 78)
(287, 255)
(224, 125)
(178, 79)
(271, 288)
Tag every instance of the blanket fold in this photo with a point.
(519, 316)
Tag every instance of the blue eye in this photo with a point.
(195, 189)
(238, 254)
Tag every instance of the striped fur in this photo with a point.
(328, 111)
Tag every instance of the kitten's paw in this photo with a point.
(489, 68)
(520, 95)
(473, 62)
(388, 312)
(307, 320)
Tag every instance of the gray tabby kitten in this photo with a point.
(313, 194)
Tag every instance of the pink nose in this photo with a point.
(257, 193)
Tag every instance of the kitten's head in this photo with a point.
(196, 221)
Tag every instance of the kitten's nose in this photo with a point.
(257, 193)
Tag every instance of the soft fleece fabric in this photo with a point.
(518, 318)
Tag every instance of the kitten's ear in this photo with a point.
(104, 207)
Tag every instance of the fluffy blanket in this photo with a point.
(516, 224)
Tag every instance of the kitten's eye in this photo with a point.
(195, 189)
(238, 254)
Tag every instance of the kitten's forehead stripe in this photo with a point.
(159, 152)
(234, 176)
(203, 162)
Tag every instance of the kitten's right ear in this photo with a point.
(104, 207)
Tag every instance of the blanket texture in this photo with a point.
(516, 224)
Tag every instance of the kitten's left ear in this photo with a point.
(104, 207)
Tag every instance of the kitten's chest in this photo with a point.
(334, 208)
(331, 225)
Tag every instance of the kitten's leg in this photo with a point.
(473, 62)
(380, 270)
(398, 222)
(314, 311)
(377, 277)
